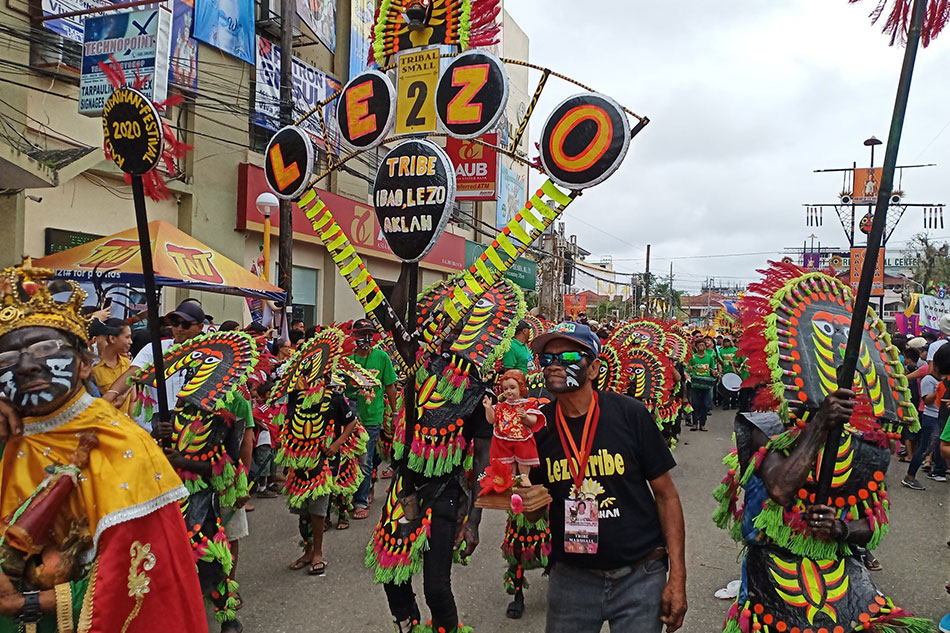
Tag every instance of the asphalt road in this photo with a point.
(915, 557)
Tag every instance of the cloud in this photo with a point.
(746, 100)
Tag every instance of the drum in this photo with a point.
(731, 382)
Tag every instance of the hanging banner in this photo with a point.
(183, 63)
(413, 192)
(574, 305)
(931, 309)
(867, 183)
(476, 167)
(511, 195)
(138, 40)
(70, 28)
(811, 261)
(362, 14)
(857, 263)
(310, 87)
(228, 25)
(418, 74)
(320, 16)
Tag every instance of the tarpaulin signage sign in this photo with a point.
(931, 309)
(857, 263)
(138, 40)
(71, 27)
(476, 167)
(310, 87)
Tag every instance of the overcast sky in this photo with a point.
(746, 98)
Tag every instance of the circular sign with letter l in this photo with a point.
(288, 162)
(584, 140)
(132, 130)
(413, 192)
(366, 110)
(471, 94)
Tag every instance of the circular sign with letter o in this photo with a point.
(288, 162)
(471, 94)
(366, 109)
(132, 130)
(584, 140)
(413, 192)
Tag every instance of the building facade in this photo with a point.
(58, 189)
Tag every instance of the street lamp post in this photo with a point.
(266, 203)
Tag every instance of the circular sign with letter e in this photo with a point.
(288, 162)
(366, 110)
(132, 130)
(584, 140)
(471, 94)
(414, 190)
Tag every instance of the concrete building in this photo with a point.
(57, 188)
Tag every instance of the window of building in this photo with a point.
(306, 292)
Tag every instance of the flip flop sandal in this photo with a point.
(386, 474)
(327, 524)
(361, 513)
(343, 525)
(317, 569)
(515, 610)
(300, 563)
(239, 601)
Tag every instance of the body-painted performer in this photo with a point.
(92, 537)
(801, 570)
(429, 511)
(321, 441)
(206, 435)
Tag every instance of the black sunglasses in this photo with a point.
(180, 323)
(546, 359)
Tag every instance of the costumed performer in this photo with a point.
(92, 534)
(430, 517)
(802, 570)
(321, 441)
(207, 446)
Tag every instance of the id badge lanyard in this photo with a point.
(577, 458)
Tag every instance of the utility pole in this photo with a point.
(708, 301)
(285, 240)
(670, 288)
(646, 285)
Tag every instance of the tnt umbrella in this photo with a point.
(178, 260)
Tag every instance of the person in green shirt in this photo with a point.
(370, 412)
(518, 355)
(703, 369)
(728, 361)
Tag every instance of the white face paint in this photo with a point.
(573, 372)
(8, 385)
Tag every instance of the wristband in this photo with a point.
(847, 531)
(64, 608)
(30, 612)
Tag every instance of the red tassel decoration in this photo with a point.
(153, 184)
(897, 23)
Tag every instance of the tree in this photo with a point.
(933, 265)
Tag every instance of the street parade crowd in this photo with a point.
(115, 519)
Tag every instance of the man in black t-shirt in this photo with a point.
(616, 519)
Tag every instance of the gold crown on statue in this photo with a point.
(27, 301)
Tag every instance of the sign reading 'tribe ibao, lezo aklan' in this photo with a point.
(414, 190)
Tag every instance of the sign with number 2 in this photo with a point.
(415, 106)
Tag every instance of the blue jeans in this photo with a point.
(701, 399)
(581, 600)
(930, 427)
(361, 498)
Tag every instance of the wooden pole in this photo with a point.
(878, 224)
(151, 296)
